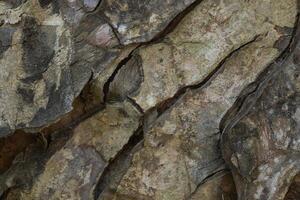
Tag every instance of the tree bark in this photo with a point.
(149, 100)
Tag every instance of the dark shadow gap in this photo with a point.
(294, 189)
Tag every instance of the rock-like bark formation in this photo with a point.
(51, 49)
(263, 148)
(149, 100)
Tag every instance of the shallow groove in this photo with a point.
(206, 179)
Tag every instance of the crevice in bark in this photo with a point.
(165, 105)
(5, 194)
(96, 9)
(72, 119)
(12, 146)
(251, 93)
(175, 21)
(113, 75)
(248, 96)
(81, 111)
(161, 108)
(62, 128)
(116, 169)
(168, 29)
(136, 105)
(125, 154)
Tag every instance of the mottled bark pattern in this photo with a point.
(149, 100)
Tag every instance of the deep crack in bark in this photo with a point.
(161, 108)
(120, 162)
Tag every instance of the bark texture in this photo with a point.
(149, 100)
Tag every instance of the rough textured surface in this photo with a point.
(220, 186)
(44, 64)
(149, 100)
(73, 171)
(60, 46)
(271, 128)
(294, 192)
(31, 66)
(183, 143)
(141, 21)
(202, 40)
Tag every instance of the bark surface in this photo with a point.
(149, 100)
